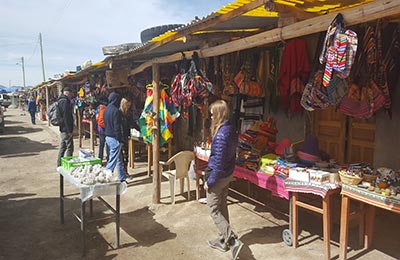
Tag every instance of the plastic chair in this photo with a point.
(182, 162)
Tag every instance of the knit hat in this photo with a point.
(280, 149)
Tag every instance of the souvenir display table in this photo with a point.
(131, 151)
(325, 191)
(273, 183)
(87, 192)
(369, 201)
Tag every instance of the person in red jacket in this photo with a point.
(101, 126)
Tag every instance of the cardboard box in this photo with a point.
(299, 174)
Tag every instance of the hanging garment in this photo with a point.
(294, 71)
(167, 116)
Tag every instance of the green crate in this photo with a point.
(66, 164)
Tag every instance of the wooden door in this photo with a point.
(361, 141)
(347, 142)
(330, 129)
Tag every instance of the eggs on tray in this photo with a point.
(92, 174)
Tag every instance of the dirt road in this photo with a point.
(30, 223)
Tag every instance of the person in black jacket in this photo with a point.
(113, 129)
(67, 124)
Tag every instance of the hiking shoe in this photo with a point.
(218, 244)
(236, 245)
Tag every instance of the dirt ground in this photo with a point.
(30, 225)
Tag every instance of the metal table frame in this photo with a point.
(83, 219)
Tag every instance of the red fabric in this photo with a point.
(294, 68)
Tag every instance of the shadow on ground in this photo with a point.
(42, 235)
(19, 130)
(21, 147)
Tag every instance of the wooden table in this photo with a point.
(131, 151)
(366, 214)
(325, 192)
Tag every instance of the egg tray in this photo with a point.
(67, 164)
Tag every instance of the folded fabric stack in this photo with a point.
(258, 140)
(247, 157)
(282, 168)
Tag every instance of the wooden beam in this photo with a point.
(211, 21)
(47, 103)
(161, 60)
(355, 15)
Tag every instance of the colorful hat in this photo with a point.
(280, 149)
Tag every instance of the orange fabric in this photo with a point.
(100, 116)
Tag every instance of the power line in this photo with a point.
(59, 14)
(34, 51)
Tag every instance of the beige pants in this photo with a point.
(218, 208)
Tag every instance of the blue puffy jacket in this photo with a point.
(221, 162)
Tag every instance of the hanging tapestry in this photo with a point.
(167, 115)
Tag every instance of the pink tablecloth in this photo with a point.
(273, 183)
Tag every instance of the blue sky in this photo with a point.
(75, 31)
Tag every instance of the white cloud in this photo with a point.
(74, 31)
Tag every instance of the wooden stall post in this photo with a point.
(79, 128)
(47, 103)
(156, 135)
(92, 135)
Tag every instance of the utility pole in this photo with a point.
(41, 55)
(23, 70)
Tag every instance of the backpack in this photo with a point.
(54, 114)
(100, 116)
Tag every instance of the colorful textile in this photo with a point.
(273, 183)
(167, 115)
(340, 56)
(308, 187)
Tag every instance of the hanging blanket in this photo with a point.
(167, 115)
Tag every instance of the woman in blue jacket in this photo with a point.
(219, 174)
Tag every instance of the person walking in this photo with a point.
(219, 173)
(67, 124)
(32, 109)
(113, 125)
(126, 124)
(101, 126)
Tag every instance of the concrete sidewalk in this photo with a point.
(31, 229)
